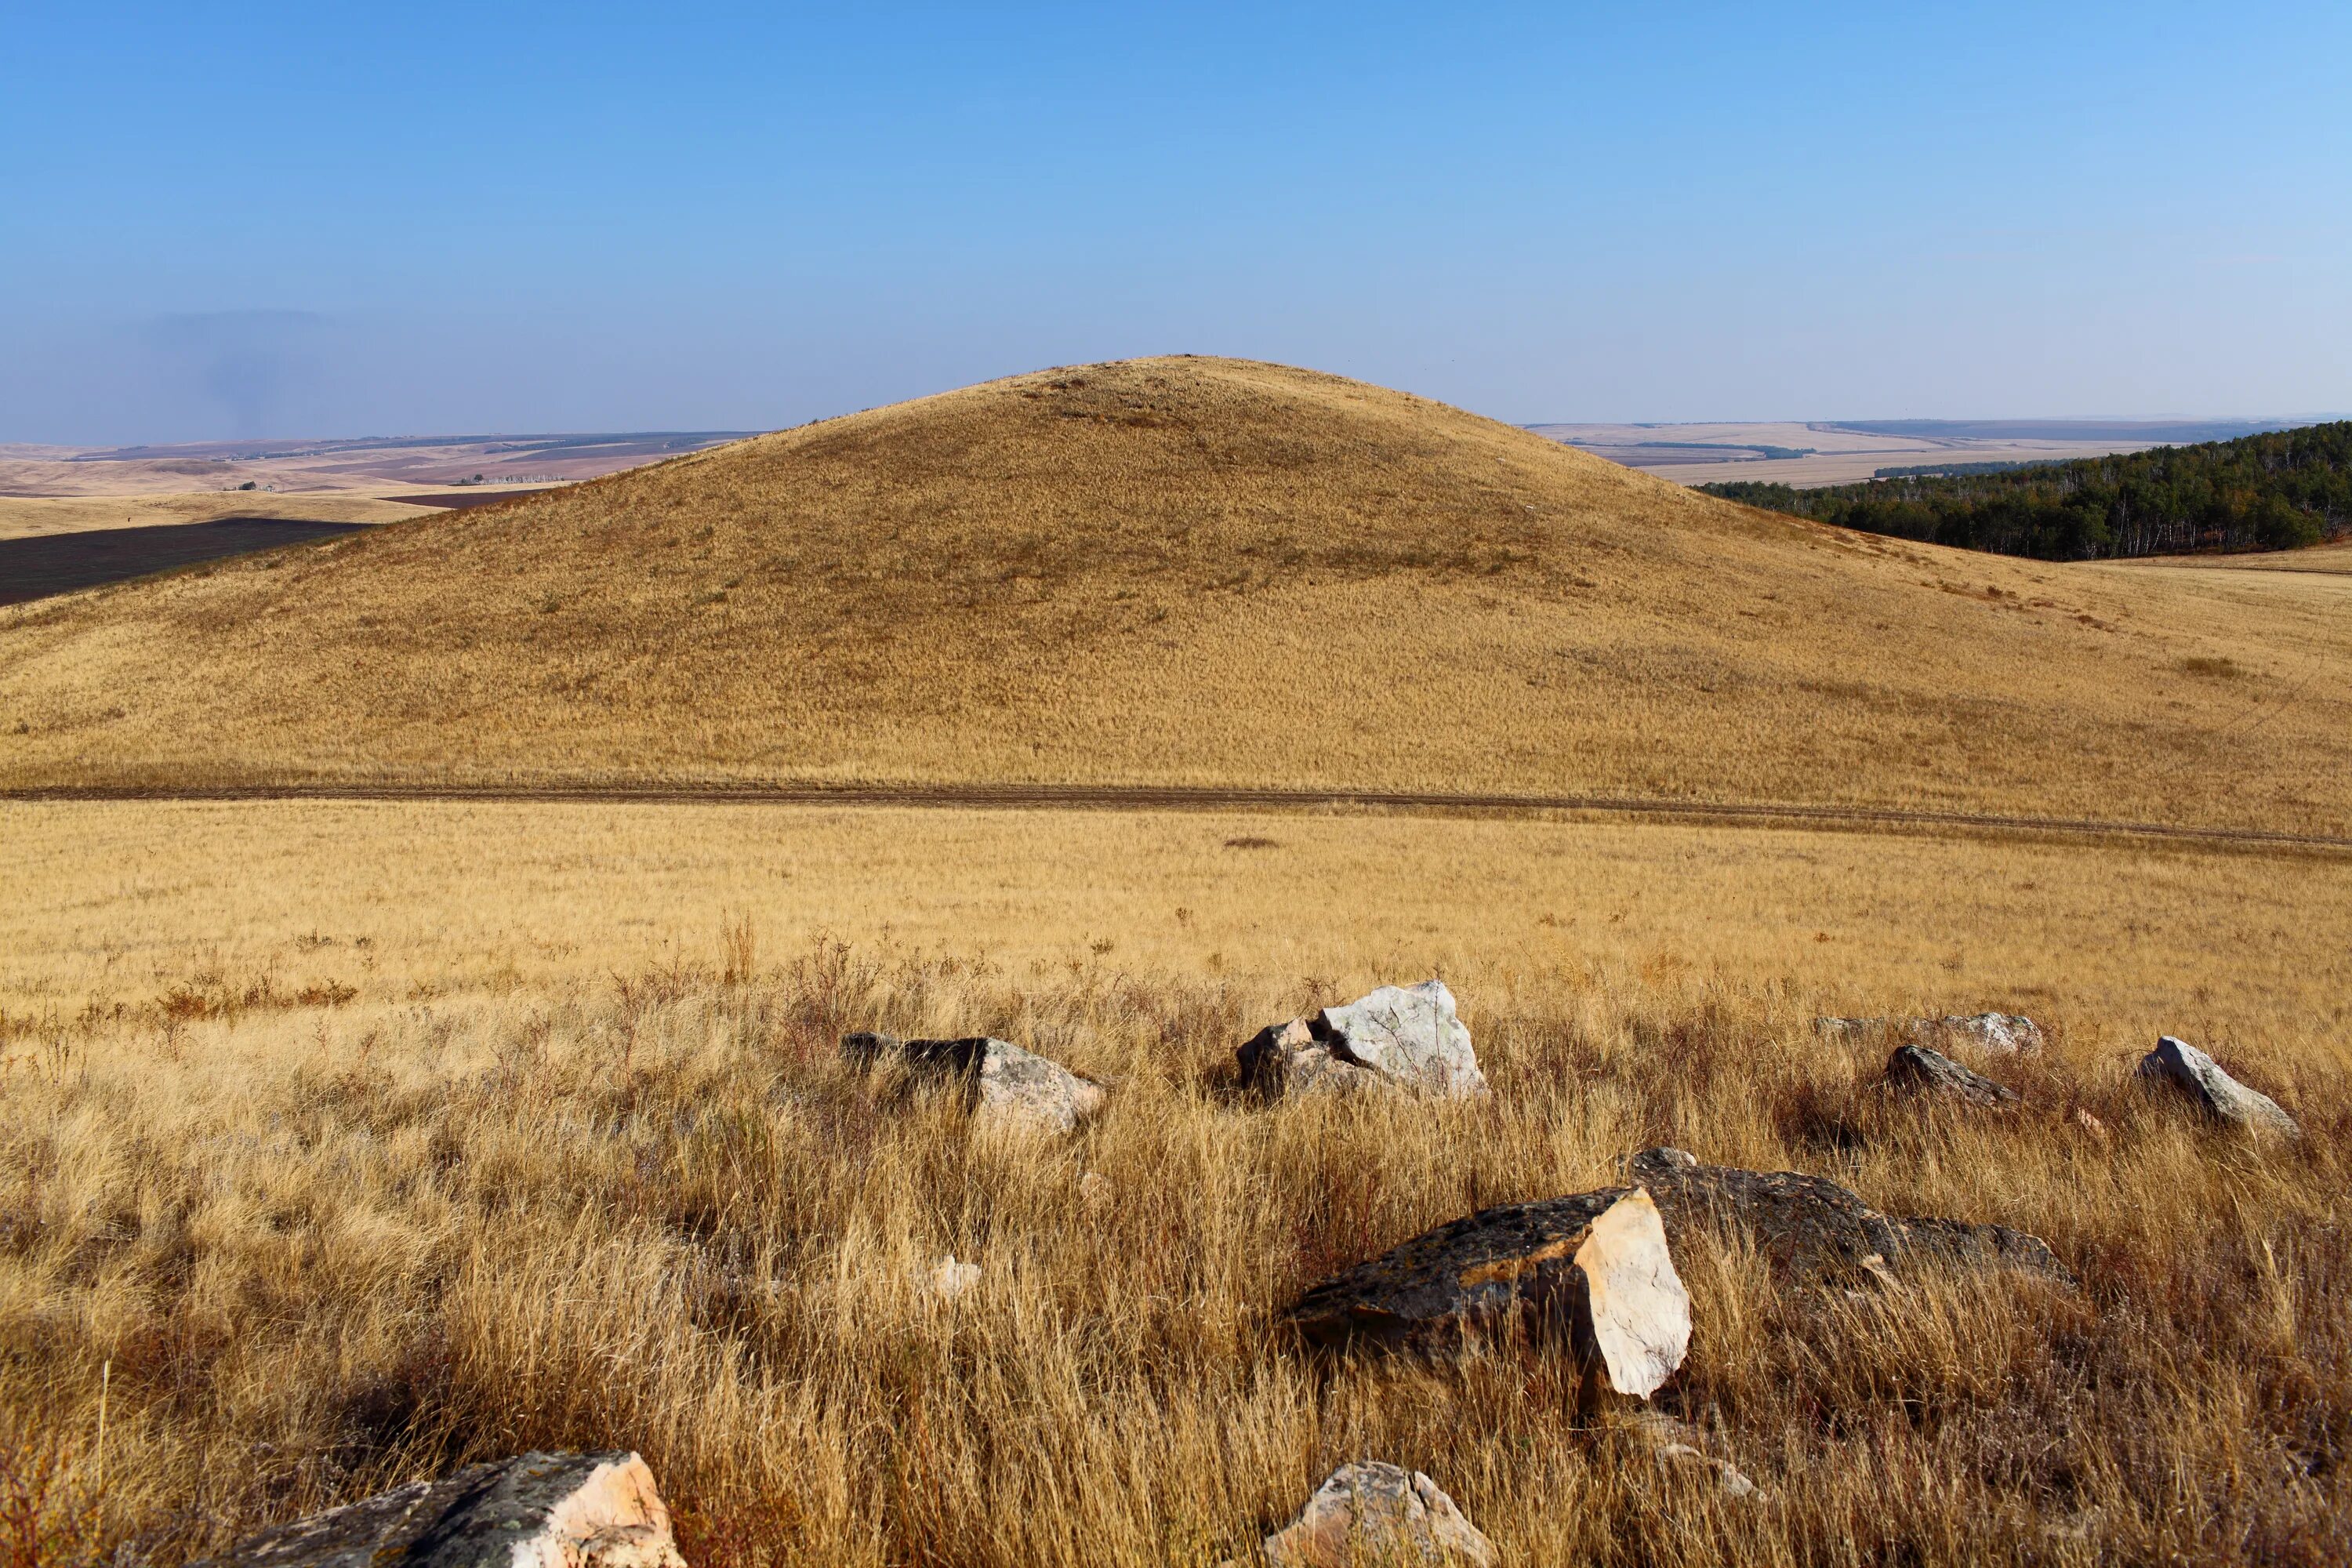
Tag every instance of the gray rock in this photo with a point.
(537, 1510)
(1916, 1069)
(1811, 1231)
(1594, 1268)
(1406, 1036)
(2189, 1071)
(1995, 1033)
(1009, 1089)
(1376, 1513)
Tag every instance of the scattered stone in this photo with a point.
(1813, 1232)
(1367, 1513)
(1287, 1059)
(1995, 1033)
(946, 1280)
(1916, 1069)
(2184, 1067)
(537, 1510)
(1595, 1265)
(1677, 1445)
(1010, 1089)
(1401, 1035)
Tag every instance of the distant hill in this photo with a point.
(1189, 571)
(2271, 491)
(2142, 430)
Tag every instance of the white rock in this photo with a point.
(2190, 1072)
(1639, 1312)
(1376, 1514)
(1410, 1033)
(1398, 1036)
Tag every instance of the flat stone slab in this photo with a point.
(535, 1511)
(1812, 1231)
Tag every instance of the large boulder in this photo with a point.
(2181, 1067)
(1594, 1267)
(1376, 1513)
(538, 1510)
(1811, 1231)
(1916, 1069)
(1009, 1089)
(1406, 1036)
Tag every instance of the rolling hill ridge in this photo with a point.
(1191, 572)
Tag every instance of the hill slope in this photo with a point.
(1188, 571)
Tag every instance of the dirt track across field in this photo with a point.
(1148, 797)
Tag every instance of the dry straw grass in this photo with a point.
(436, 1211)
(1198, 571)
(325, 1249)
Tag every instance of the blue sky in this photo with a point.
(319, 219)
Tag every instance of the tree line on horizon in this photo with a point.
(2271, 491)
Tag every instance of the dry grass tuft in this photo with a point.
(327, 1249)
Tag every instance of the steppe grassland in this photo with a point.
(1199, 573)
(401, 1135)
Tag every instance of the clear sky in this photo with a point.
(328, 219)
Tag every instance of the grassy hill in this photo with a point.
(1190, 570)
(2271, 491)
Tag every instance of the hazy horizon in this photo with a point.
(284, 224)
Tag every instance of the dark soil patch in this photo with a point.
(60, 562)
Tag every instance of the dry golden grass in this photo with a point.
(118, 903)
(1197, 571)
(343, 1143)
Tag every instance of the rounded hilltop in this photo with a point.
(1179, 571)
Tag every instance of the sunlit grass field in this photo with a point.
(343, 1143)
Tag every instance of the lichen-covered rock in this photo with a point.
(1010, 1089)
(2183, 1067)
(1376, 1514)
(1594, 1268)
(1811, 1231)
(537, 1510)
(1403, 1035)
(1916, 1069)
